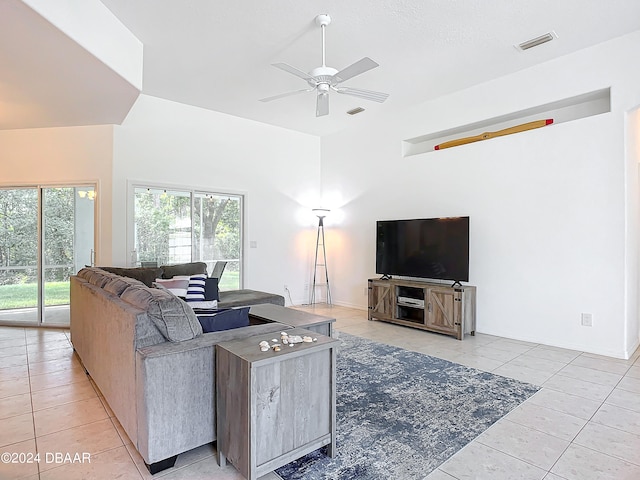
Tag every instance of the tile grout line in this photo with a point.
(584, 355)
(33, 413)
(573, 442)
(542, 431)
(475, 440)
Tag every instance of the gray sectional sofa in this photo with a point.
(145, 350)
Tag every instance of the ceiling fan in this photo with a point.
(324, 79)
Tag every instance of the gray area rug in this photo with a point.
(400, 414)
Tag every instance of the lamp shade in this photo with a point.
(321, 212)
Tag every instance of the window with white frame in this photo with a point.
(179, 226)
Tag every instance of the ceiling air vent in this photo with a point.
(534, 42)
(353, 111)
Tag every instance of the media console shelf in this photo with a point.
(430, 306)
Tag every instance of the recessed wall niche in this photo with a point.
(566, 110)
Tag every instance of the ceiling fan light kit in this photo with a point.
(324, 79)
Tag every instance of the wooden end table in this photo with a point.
(274, 407)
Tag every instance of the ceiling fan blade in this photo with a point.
(366, 94)
(294, 71)
(287, 94)
(322, 105)
(363, 65)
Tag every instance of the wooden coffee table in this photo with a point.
(293, 317)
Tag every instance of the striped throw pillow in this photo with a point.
(177, 286)
(195, 290)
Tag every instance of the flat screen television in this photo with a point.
(433, 248)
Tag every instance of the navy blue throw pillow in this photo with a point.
(211, 289)
(222, 319)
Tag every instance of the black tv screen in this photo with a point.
(436, 248)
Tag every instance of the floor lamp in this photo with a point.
(320, 213)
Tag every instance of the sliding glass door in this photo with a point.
(217, 234)
(19, 255)
(67, 245)
(46, 235)
(178, 226)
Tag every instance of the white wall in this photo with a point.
(73, 155)
(633, 228)
(168, 143)
(549, 224)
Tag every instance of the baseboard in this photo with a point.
(305, 303)
(633, 349)
(621, 354)
(351, 305)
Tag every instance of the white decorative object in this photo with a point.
(307, 339)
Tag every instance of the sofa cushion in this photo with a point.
(116, 285)
(145, 275)
(95, 276)
(239, 298)
(85, 272)
(99, 279)
(170, 271)
(173, 317)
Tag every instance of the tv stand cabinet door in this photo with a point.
(381, 299)
(443, 311)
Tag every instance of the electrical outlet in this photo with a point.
(586, 320)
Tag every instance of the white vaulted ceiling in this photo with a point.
(217, 54)
(51, 78)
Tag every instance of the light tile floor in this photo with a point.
(583, 424)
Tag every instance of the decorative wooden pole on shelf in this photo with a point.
(487, 135)
(320, 213)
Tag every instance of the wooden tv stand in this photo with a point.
(430, 306)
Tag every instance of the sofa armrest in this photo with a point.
(175, 383)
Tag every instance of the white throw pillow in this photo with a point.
(177, 286)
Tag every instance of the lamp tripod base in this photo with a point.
(322, 264)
